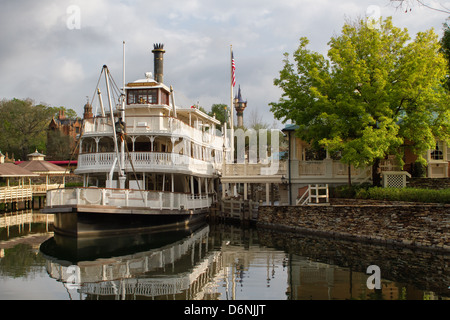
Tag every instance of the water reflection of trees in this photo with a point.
(21, 261)
(21, 233)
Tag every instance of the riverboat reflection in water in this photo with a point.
(225, 262)
(209, 262)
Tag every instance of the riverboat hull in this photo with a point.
(92, 221)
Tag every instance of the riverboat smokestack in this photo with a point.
(158, 52)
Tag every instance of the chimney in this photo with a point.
(158, 52)
(61, 115)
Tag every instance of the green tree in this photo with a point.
(378, 90)
(23, 126)
(59, 145)
(68, 113)
(219, 111)
(445, 44)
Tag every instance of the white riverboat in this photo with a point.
(146, 163)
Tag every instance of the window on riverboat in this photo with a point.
(164, 98)
(143, 96)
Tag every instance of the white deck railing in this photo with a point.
(127, 198)
(147, 161)
(325, 169)
(156, 125)
(254, 169)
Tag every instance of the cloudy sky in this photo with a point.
(53, 51)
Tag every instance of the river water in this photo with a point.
(210, 262)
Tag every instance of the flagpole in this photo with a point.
(231, 106)
(232, 82)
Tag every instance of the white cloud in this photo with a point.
(68, 71)
(42, 59)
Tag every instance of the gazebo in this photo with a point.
(10, 170)
(37, 165)
(15, 194)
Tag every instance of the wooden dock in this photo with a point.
(235, 209)
(25, 195)
(15, 194)
(11, 196)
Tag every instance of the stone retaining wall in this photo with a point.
(412, 225)
(429, 183)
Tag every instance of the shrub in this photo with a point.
(405, 194)
(346, 191)
(419, 170)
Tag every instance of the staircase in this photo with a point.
(314, 194)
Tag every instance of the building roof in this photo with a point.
(239, 96)
(42, 167)
(9, 170)
(65, 121)
(35, 156)
(290, 127)
(148, 82)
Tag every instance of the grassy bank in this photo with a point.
(394, 194)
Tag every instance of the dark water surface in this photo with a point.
(210, 262)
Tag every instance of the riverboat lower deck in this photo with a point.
(101, 211)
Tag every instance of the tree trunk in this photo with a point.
(349, 175)
(376, 179)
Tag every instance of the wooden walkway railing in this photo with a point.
(41, 189)
(15, 194)
(24, 193)
(313, 195)
(244, 210)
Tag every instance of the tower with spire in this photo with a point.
(240, 105)
(88, 110)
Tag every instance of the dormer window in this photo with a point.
(142, 96)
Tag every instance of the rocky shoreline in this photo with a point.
(408, 224)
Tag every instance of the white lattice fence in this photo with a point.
(395, 179)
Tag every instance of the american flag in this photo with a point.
(233, 69)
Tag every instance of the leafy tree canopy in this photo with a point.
(378, 90)
(23, 126)
(68, 113)
(219, 111)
